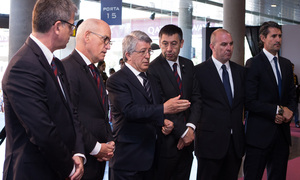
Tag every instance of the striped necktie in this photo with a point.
(147, 86)
(178, 80)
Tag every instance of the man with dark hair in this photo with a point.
(137, 111)
(175, 76)
(270, 101)
(88, 94)
(43, 137)
(220, 139)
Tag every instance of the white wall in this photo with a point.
(290, 45)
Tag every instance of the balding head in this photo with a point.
(91, 39)
(221, 44)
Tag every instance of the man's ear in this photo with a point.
(57, 27)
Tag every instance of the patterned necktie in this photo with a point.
(226, 84)
(178, 80)
(146, 85)
(278, 76)
(53, 66)
(96, 76)
(55, 71)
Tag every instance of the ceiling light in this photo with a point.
(274, 5)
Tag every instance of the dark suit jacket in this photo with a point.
(213, 132)
(87, 102)
(134, 120)
(262, 99)
(41, 131)
(164, 75)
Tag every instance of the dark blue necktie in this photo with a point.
(278, 76)
(226, 84)
(147, 86)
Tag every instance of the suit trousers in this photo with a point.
(274, 157)
(177, 167)
(226, 168)
(116, 174)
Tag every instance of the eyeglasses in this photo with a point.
(73, 27)
(105, 38)
(145, 52)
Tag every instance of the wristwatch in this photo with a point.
(280, 110)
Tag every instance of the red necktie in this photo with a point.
(178, 80)
(97, 80)
(53, 66)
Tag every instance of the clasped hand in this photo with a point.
(106, 151)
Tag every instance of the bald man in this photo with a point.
(219, 142)
(88, 94)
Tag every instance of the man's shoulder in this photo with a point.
(157, 61)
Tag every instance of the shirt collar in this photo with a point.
(48, 54)
(85, 59)
(269, 55)
(218, 64)
(172, 62)
(135, 72)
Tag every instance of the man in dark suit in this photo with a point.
(175, 150)
(270, 100)
(136, 111)
(93, 36)
(219, 143)
(42, 135)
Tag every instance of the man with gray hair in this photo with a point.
(137, 111)
(88, 94)
(43, 137)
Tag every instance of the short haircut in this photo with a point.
(46, 12)
(213, 34)
(264, 30)
(130, 41)
(171, 29)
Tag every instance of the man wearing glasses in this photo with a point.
(137, 111)
(43, 137)
(88, 94)
(175, 76)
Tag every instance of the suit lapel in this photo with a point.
(41, 57)
(91, 79)
(135, 82)
(284, 71)
(269, 70)
(236, 78)
(218, 82)
(184, 78)
(170, 74)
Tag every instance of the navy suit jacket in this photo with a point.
(87, 103)
(134, 120)
(262, 98)
(42, 134)
(169, 88)
(218, 118)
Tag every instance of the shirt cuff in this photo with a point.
(191, 125)
(188, 125)
(96, 149)
(73, 171)
(84, 161)
(81, 155)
